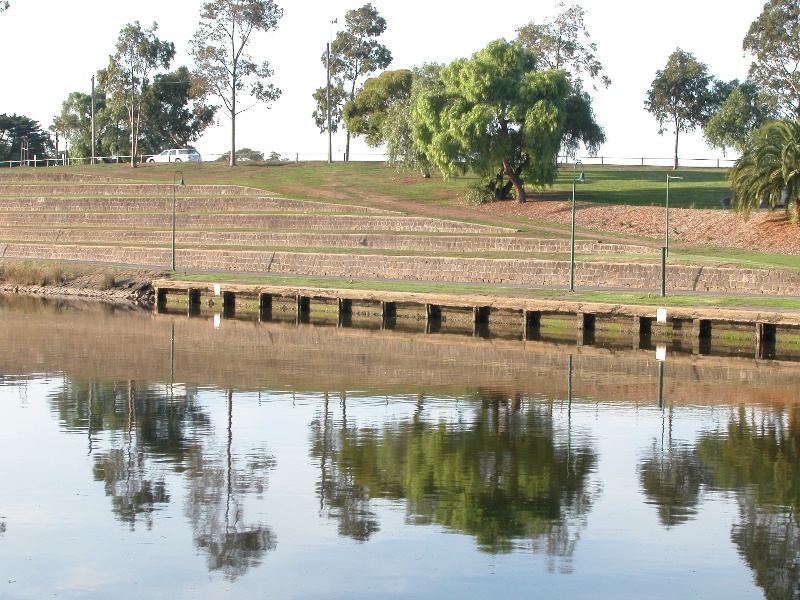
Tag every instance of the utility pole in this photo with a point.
(92, 119)
(330, 147)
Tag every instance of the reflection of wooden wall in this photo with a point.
(97, 342)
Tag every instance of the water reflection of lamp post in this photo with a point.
(572, 234)
(173, 213)
(666, 219)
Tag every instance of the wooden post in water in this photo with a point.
(264, 307)
(388, 315)
(766, 334)
(532, 323)
(345, 312)
(228, 304)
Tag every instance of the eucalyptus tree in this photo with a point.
(682, 95)
(559, 44)
(138, 53)
(354, 54)
(743, 110)
(496, 114)
(769, 169)
(219, 48)
(773, 40)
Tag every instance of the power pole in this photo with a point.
(92, 119)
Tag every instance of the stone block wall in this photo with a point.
(430, 268)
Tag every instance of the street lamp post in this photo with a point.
(666, 216)
(572, 234)
(173, 212)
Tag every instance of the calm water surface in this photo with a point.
(163, 456)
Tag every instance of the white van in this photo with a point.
(177, 155)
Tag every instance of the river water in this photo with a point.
(163, 456)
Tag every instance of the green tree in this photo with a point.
(769, 168)
(245, 154)
(139, 53)
(774, 42)
(742, 110)
(682, 95)
(366, 113)
(219, 49)
(497, 115)
(381, 111)
(558, 44)
(18, 132)
(354, 54)
(174, 113)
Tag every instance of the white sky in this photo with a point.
(50, 48)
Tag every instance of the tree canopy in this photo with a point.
(742, 110)
(354, 54)
(682, 95)
(558, 44)
(774, 42)
(138, 53)
(495, 114)
(219, 50)
(17, 131)
(367, 112)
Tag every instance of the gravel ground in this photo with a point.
(764, 231)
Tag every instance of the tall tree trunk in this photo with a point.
(515, 179)
(232, 161)
(675, 158)
(347, 149)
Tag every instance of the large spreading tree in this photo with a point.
(139, 52)
(354, 54)
(494, 114)
(219, 48)
(681, 95)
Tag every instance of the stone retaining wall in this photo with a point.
(125, 189)
(376, 241)
(204, 204)
(309, 222)
(437, 269)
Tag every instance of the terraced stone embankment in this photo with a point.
(232, 228)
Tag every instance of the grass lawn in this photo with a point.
(364, 182)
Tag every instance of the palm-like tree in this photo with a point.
(769, 165)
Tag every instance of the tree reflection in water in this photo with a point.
(671, 477)
(151, 430)
(759, 457)
(215, 505)
(499, 476)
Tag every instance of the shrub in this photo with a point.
(478, 194)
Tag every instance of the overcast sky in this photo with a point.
(50, 48)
